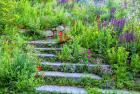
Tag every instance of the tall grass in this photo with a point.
(18, 64)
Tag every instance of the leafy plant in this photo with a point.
(15, 73)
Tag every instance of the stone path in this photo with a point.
(61, 89)
(57, 64)
(47, 46)
(77, 90)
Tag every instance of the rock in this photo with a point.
(68, 14)
(53, 29)
(23, 30)
(60, 28)
(48, 33)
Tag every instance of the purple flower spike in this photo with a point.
(63, 1)
(89, 51)
(112, 10)
(121, 22)
(113, 21)
(89, 56)
(81, 61)
(105, 23)
(127, 36)
(118, 24)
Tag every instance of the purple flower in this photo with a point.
(81, 61)
(105, 23)
(127, 36)
(89, 56)
(63, 1)
(121, 22)
(113, 21)
(112, 10)
(89, 51)
(118, 23)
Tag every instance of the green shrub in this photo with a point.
(17, 65)
(6, 14)
(93, 91)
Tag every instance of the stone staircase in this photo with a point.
(43, 49)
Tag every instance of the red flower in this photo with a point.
(60, 34)
(39, 68)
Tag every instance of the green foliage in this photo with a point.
(118, 60)
(117, 56)
(135, 63)
(16, 65)
(6, 14)
(66, 53)
(16, 60)
(93, 91)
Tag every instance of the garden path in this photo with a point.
(49, 46)
(46, 46)
(45, 49)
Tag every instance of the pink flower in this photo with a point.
(89, 56)
(89, 51)
(81, 61)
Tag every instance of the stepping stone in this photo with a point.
(48, 49)
(58, 64)
(67, 75)
(61, 89)
(109, 91)
(42, 42)
(48, 33)
(60, 28)
(46, 55)
(76, 90)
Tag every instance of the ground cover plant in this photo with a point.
(99, 33)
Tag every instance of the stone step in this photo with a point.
(61, 89)
(42, 42)
(67, 75)
(78, 90)
(76, 67)
(46, 55)
(58, 64)
(48, 49)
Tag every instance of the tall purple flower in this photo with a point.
(89, 51)
(105, 23)
(127, 36)
(121, 22)
(89, 54)
(112, 10)
(118, 23)
(113, 21)
(63, 1)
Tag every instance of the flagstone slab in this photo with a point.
(58, 64)
(47, 55)
(67, 75)
(62, 89)
(48, 49)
